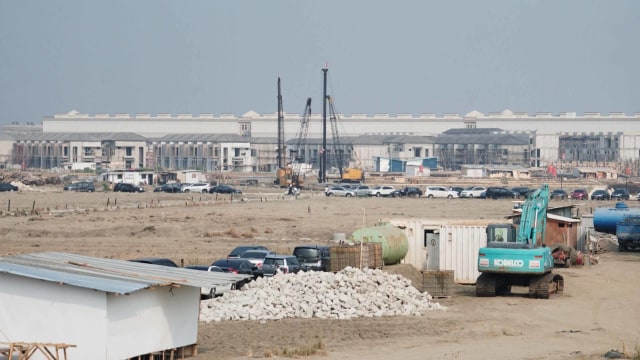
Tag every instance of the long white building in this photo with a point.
(253, 124)
(249, 142)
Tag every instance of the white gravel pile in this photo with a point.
(347, 294)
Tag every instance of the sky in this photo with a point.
(413, 56)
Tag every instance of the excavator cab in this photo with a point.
(501, 233)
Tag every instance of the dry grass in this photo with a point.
(315, 347)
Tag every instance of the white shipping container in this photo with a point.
(445, 245)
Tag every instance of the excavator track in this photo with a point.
(486, 285)
(543, 286)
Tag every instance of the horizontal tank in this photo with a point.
(394, 241)
(606, 219)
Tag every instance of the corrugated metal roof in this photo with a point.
(109, 275)
(549, 216)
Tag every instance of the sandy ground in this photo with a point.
(599, 311)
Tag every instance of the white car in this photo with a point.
(196, 188)
(473, 192)
(440, 192)
(381, 190)
(207, 292)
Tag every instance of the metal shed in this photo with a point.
(106, 308)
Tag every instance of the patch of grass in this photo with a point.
(314, 347)
(233, 232)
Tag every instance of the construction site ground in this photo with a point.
(599, 310)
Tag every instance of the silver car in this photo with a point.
(381, 190)
(340, 191)
(256, 256)
(360, 190)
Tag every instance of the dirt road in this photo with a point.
(599, 311)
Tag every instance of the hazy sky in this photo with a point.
(206, 56)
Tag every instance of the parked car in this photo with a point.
(224, 189)
(600, 195)
(207, 292)
(237, 251)
(521, 192)
(457, 189)
(381, 190)
(407, 191)
(126, 187)
(156, 261)
(196, 188)
(256, 256)
(339, 191)
(440, 192)
(473, 191)
(238, 266)
(620, 194)
(558, 194)
(8, 187)
(580, 194)
(496, 192)
(169, 188)
(81, 186)
(360, 190)
(284, 263)
(313, 257)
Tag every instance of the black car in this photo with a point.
(236, 252)
(126, 187)
(238, 266)
(8, 187)
(156, 261)
(169, 188)
(620, 194)
(499, 193)
(457, 189)
(558, 194)
(82, 186)
(224, 189)
(521, 192)
(600, 195)
(408, 191)
(313, 257)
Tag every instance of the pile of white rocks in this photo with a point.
(347, 294)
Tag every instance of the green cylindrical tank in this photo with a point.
(394, 241)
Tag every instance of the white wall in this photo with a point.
(39, 311)
(152, 320)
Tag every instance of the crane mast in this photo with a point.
(281, 157)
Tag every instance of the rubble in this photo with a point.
(346, 294)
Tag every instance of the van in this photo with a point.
(313, 257)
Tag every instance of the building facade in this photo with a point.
(227, 142)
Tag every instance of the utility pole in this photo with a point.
(323, 158)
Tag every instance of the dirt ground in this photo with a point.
(599, 311)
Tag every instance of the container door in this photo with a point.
(432, 244)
